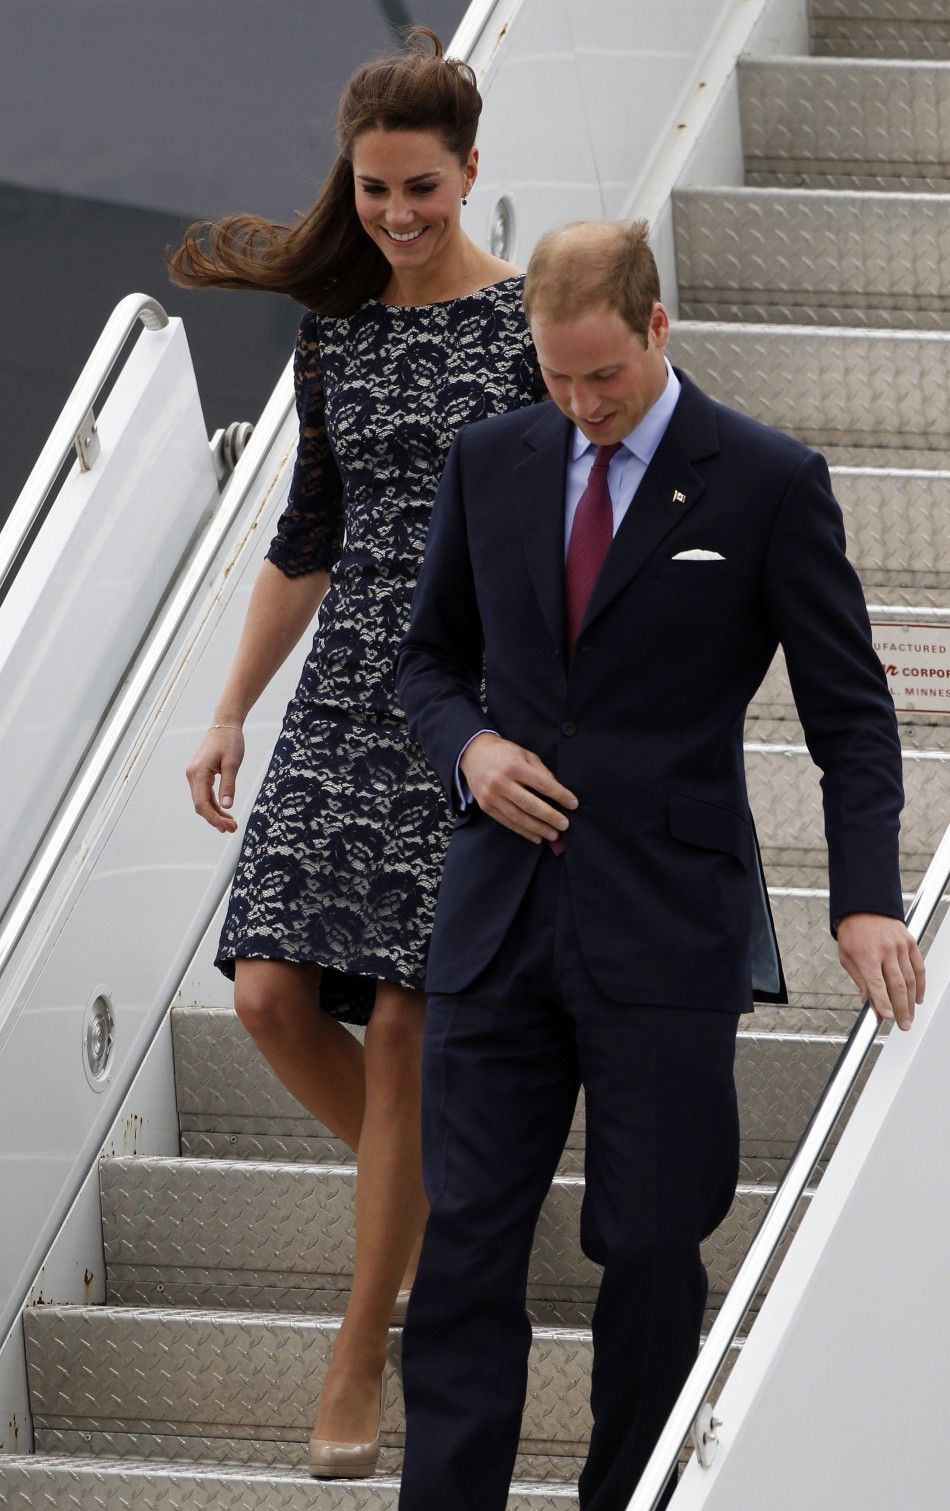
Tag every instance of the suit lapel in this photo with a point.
(540, 484)
(670, 487)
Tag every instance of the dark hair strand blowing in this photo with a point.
(326, 261)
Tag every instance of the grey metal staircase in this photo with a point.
(820, 307)
(880, 28)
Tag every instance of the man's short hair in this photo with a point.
(588, 264)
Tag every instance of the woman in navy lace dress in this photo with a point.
(411, 331)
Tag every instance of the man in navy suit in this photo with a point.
(619, 566)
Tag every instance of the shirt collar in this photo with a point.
(645, 437)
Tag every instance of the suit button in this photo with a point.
(567, 728)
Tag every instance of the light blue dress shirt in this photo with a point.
(624, 476)
(627, 465)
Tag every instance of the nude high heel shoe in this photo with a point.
(328, 1460)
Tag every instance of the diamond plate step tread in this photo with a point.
(880, 28)
(216, 1067)
(846, 124)
(786, 800)
(222, 1143)
(896, 521)
(552, 1470)
(247, 1382)
(803, 257)
(270, 1237)
(65, 1483)
(241, 1387)
(773, 720)
(776, 723)
(230, 1103)
(871, 398)
(754, 1167)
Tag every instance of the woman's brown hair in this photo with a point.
(326, 261)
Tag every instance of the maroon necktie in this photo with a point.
(591, 535)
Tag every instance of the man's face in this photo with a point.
(598, 371)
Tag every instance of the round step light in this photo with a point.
(98, 1039)
(501, 232)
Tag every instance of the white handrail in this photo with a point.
(775, 1223)
(470, 28)
(68, 429)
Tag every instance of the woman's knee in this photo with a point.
(274, 999)
(398, 1023)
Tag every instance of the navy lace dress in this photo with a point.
(343, 851)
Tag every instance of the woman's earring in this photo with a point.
(464, 199)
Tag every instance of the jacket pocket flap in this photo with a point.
(706, 824)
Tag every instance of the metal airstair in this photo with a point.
(815, 297)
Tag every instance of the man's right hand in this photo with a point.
(505, 781)
(220, 753)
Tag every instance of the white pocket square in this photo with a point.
(697, 555)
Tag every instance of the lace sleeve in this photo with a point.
(310, 530)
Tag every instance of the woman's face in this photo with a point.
(409, 189)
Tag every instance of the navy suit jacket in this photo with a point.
(645, 725)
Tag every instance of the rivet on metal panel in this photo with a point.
(706, 1436)
(87, 442)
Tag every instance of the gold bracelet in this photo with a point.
(227, 726)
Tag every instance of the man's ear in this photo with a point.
(659, 326)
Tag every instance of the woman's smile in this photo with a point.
(405, 236)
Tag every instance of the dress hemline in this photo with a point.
(341, 971)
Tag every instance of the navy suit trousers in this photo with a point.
(502, 1065)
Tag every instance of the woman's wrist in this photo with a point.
(227, 718)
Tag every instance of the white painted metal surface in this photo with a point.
(812, 1414)
(75, 425)
(77, 609)
(133, 893)
(592, 111)
(704, 146)
(74, 1269)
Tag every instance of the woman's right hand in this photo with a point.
(220, 753)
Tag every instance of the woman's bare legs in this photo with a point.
(314, 1056)
(370, 1098)
(391, 1211)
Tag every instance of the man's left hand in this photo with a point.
(883, 961)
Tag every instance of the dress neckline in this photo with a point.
(435, 304)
